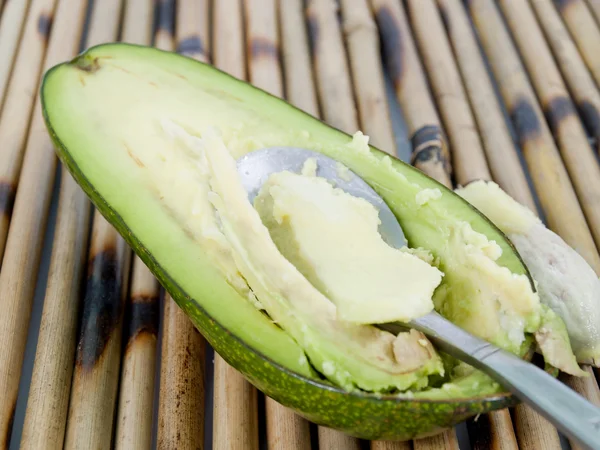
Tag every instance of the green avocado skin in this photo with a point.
(364, 416)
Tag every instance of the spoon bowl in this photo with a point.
(255, 168)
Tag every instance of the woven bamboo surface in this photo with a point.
(95, 356)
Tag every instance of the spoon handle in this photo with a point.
(568, 411)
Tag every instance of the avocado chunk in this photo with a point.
(566, 283)
(333, 240)
(152, 138)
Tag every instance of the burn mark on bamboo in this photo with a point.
(44, 25)
(591, 118)
(429, 145)
(11, 422)
(191, 45)
(562, 5)
(391, 37)
(312, 25)
(525, 120)
(557, 110)
(263, 48)
(7, 198)
(102, 307)
(165, 16)
(143, 317)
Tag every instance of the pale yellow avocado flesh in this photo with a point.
(334, 241)
(353, 356)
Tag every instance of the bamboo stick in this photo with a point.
(503, 160)
(594, 6)
(448, 91)
(136, 392)
(335, 440)
(48, 401)
(181, 408)
(585, 32)
(94, 387)
(588, 390)
(228, 43)
(181, 399)
(362, 41)
(298, 75)
(104, 23)
(549, 176)
(390, 445)
(12, 24)
(138, 22)
(24, 243)
(580, 81)
(534, 431)
(334, 85)
(18, 104)
(95, 378)
(559, 109)
(429, 143)
(192, 29)
(493, 431)
(446, 440)
(285, 430)
(262, 45)
(235, 416)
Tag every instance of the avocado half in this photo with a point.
(112, 96)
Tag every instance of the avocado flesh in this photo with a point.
(334, 241)
(349, 355)
(106, 108)
(566, 283)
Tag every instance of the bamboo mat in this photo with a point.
(95, 355)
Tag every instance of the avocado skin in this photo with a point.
(365, 416)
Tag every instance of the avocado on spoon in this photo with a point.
(567, 410)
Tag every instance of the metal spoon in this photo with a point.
(567, 410)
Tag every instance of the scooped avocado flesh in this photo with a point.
(349, 355)
(567, 284)
(109, 113)
(333, 240)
